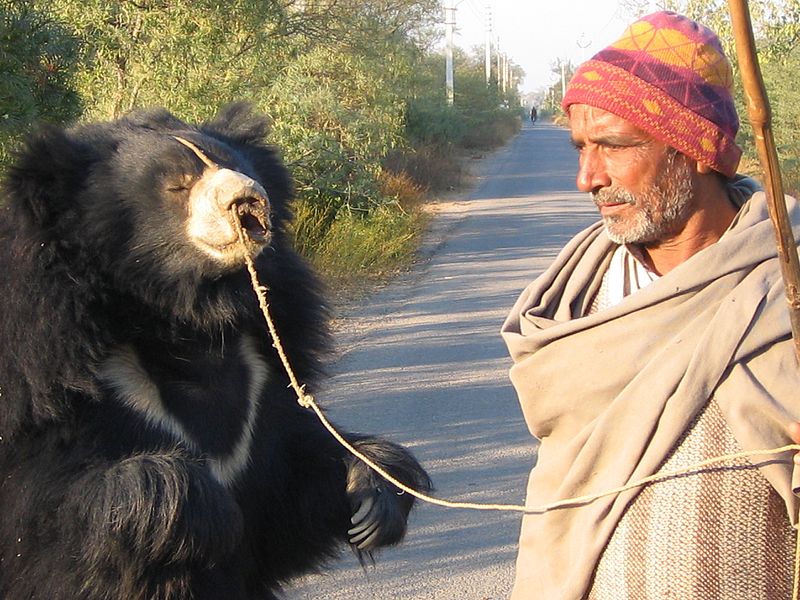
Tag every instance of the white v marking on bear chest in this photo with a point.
(124, 373)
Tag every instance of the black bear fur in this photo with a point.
(150, 446)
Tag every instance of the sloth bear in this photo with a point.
(150, 447)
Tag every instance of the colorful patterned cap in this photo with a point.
(668, 76)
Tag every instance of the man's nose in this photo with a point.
(592, 173)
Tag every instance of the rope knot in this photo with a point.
(305, 400)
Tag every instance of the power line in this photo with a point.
(476, 11)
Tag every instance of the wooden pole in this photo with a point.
(761, 120)
(449, 23)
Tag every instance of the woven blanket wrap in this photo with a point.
(609, 394)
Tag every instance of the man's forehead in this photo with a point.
(587, 121)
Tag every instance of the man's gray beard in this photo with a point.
(662, 209)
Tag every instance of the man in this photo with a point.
(659, 337)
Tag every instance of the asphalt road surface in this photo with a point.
(422, 363)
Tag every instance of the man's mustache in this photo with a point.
(613, 196)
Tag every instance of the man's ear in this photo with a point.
(46, 175)
(703, 168)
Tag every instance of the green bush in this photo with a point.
(358, 249)
(336, 121)
(431, 122)
(190, 56)
(784, 98)
(37, 60)
(435, 168)
(491, 129)
(355, 96)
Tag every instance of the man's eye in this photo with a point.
(627, 145)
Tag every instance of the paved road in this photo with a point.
(423, 364)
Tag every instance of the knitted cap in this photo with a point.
(668, 76)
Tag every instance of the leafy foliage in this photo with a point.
(355, 93)
(336, 119)
(174, 53)
(785, 103)
(36, 61)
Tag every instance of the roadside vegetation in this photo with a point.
(354, 90)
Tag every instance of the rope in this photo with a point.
(307, 401)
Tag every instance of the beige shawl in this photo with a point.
(609, 394)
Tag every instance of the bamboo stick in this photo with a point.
(760, 115)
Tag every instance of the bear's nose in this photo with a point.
(224, 200)
(244, 198)
(227, 188)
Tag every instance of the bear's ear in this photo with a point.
(246, 130)
(157, 119)
(47, 175)
(240, 123)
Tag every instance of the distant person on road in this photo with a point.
(658, 338)
(533, 114)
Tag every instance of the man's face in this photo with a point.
(642, 187)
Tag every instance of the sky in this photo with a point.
(535, 33)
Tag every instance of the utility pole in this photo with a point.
(488, 66)
(502, 73)
(449, 22)
(499, 61)
(506, 74)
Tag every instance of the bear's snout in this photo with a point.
(220, 203)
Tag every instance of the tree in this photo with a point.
(339, 78)
(336, 119)
(37, 63)
(172, 53)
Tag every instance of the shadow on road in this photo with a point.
(422, 363)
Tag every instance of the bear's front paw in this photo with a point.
(159, 508)
(380, 509)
